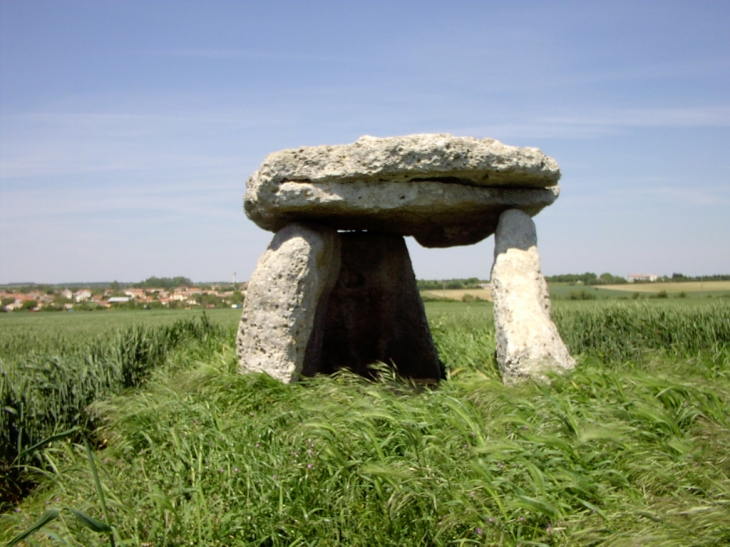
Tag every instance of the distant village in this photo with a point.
(181, 292)
(114, 297)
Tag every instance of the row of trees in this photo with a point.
(164, 283)
(435, 284)
(682, 277)
(153, 282)
(588, 278)
(167, 283)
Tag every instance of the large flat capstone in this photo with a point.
(441, 189)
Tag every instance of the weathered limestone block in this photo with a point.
(375, 312)
(443, 190)
(528, 343)
(284, 311)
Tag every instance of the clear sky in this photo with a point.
(128, 129)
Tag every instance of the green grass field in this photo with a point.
(565, 291)
(568, 291)
(630, 449)
(688, 289)
(84, 324)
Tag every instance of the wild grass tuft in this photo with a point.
(43, 393)
(631, 330)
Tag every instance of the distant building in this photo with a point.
(99, 301)
(651, 278)
(137, 294)
(82, 296)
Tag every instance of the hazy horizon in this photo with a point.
(222, 281)
(128, 129)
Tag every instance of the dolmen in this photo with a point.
(336, 289)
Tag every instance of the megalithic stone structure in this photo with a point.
(336, 288)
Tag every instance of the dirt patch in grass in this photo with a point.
(459, 294)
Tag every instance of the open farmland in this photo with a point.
(84, 325)
(572, 291)
(690, 288)
(24, 333)
(566, 291)
(630, 448)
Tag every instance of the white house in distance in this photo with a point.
(82, 295)
(651, 278)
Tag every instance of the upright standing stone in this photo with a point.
(528, 343)
(375, 312)
(281, 327)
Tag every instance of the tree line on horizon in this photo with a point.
(168, 283)
(588, 278)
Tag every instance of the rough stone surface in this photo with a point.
(375, 312)
(436, 214)
(528, 343)
(284, 310)
(443, 190)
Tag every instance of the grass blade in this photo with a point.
(90, 522)
(48, 440)
(46, 517)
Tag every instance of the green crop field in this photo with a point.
(629, 449)
(82, 325)
(566, 291)
(689, 288)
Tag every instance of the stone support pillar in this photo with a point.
(528, 343)
(281, 326)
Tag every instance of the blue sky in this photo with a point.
(128, 129)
